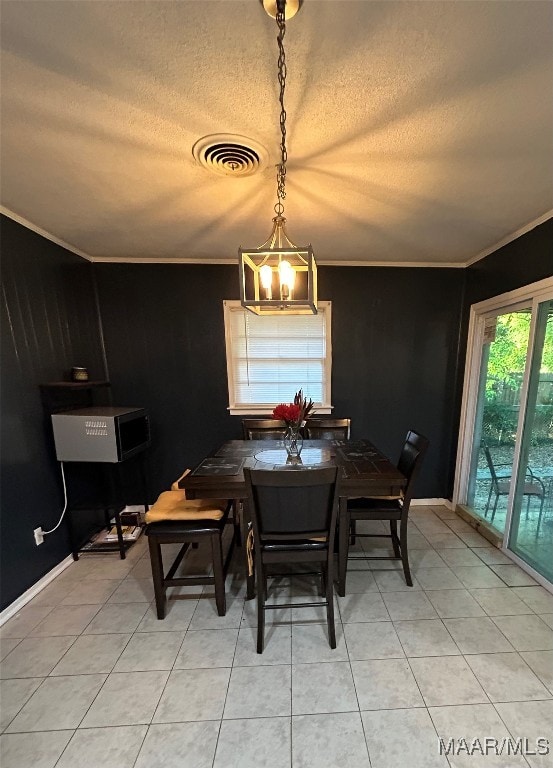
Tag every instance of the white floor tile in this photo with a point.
(207, 648)
(107, 747)
(469, 722)
(372, 640)
(60, 703)
(91, 654)
(258, 692)
(385, 684)
(277, 648)
(513, 576)
(253, 743)
(537, 598)
(23, 622)
(478, 635)
(178, 616)
(480, 577)
(507, 677)
(335, 740)
(438, 578)
(500, 602)
(530, 720)
(193, 694)
(39, 750)
(175, 745)
(409, 605)
(13, 695)
(526, 633)
(425, 637)
(541, 662)
(310, 644)
(455, 604)
(323, 688)
(145, 652)
(402, 737)
(127, 698)
(447, 680)
(364, 607)
(35, 656)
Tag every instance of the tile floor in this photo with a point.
(90, 677)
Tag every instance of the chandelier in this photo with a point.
(279, 277)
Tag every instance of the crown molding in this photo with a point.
(43, 233)
(160, 260)
(181, 260)
(509, 239)
(321, 263)
(400, 264)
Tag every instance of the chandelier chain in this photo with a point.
(281, 169)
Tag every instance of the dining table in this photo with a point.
(364, 471)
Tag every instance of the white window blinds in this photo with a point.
(270, 358)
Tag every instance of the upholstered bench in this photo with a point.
(174, 519)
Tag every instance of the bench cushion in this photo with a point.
(173, 505)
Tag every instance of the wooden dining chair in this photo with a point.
(391, 509)
(293, 516)
(174, 519)
(263, 429)
(328, 429)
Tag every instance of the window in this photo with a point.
(269, 358)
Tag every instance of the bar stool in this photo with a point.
(174, 519)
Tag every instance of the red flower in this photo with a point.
(288, 413)
(294, 414)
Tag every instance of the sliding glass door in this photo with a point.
(505, 462)
(502, 363)
(531, 528)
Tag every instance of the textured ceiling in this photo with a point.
(418, 132)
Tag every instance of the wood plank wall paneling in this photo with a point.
(526, 260)
(49, 324)
(164, 335)
(395, 337)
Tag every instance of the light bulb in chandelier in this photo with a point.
(287, 278)
(266, 277)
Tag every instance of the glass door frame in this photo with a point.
(527, 296)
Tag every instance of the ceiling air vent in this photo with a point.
(230, 155)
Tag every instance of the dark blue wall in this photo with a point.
(527, 259)
(49, 324)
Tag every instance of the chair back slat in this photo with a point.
(263, 429)
(410, 461)
(328, 429)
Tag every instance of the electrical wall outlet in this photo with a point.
(39, 536)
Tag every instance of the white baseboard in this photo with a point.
(432, 503)
(23, 599)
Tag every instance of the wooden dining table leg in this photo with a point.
(343, 545)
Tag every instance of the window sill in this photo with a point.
(267, 410)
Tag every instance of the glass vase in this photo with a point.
(293, 442)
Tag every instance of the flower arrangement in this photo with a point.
(296, 413)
